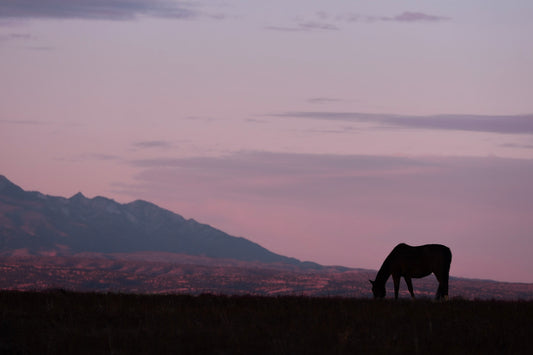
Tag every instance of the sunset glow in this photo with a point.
(324, 131)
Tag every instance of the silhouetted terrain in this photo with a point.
(36, 224)
(87, 323)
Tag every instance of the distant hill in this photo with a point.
(175, 274)
(32, 223)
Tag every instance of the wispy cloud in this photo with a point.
(255, 120)
(259, 163)
(505, 124)
(285, 28)
(323, 100)
(84, 157)
(409, 16)
(426, 195)
(305, 27)
(152, 144)
(16, 37)
(322, 20)
(521, 146)
(25, 40)
(267, 175)
(406, 16)
(98, 9)
(102, 156)
(314, 25)
(340, 203)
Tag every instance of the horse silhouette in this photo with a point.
(414, 262)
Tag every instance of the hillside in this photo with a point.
(174, 274)
(36, 224)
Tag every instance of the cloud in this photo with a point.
(415, 17)
(313, 25)
(249, 162)
(255, 120)
(101, 156)
(84, 157)
(305, 177)
(407, 16)
(305, 27)
(262, 163)
(26, 41)
(522, 146)
(97, 9)
(267, 178)
(41, 48)
(323, 100)
(505, 124)
(431, 196)
(336, 209)
(284, 29)
(323, 21)
(152, 144)
(16, 37)
(340, 130)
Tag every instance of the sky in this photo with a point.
(328, 131)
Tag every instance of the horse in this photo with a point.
(414, 262)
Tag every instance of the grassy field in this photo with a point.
(97, 323)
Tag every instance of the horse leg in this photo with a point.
(443, 285)
(444, 279)
(439, 289)
(442, 291)
(439, 292)
(409, 286)
(396, 279)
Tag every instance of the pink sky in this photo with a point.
(325, 131)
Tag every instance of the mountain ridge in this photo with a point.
(43, 223)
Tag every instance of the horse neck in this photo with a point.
(383, 273)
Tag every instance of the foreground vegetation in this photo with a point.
(109, 323)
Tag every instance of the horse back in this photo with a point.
(420, 261)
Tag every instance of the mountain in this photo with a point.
(36, 224)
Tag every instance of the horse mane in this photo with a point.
(384, 271)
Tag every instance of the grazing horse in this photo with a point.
(414, 262)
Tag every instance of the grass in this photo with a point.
(110, 323)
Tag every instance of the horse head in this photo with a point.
(377, 290)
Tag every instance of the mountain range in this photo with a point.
(32, 223)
